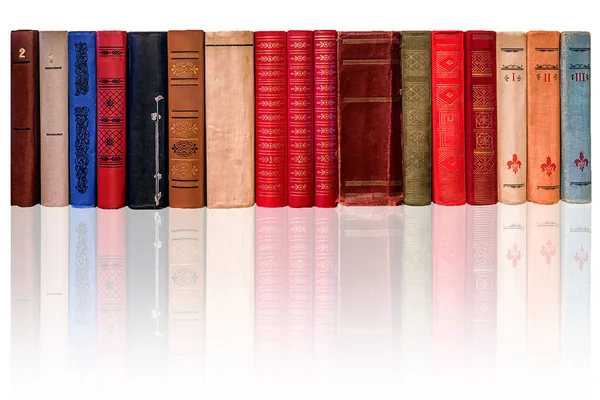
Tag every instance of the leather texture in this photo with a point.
(24, 119)
(54, 118)
(480, 117)
(187, 178)
(369, 118)
(576, 147)
(82, 119)
(543, 117)
(416, 116)
(229, 119)
(447, 85)
(270, 60)
(300, 92)
(147, 137)
(511, 84)
(111, 69)
(325, 118)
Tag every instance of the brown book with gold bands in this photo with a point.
(186, 118)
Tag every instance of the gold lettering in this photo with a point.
(21, 53)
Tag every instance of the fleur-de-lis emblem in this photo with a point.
(548, 251)
(581, 162)
(548, 167)
(581, 256)
(514, 254)
(514, 164)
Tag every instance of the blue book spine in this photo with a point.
(576, 160)
(82, 284)
(82, 119)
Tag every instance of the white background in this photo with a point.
(273, 15)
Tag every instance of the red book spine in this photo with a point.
(480, 117)
(300, 118)
(448, 156)
(112, 289)
(325, 118)
(111, 70)
(270, 62)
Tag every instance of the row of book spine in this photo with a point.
(299, 118)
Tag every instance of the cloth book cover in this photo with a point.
(24, 118)
(543, 117)
(300, 143)
(480, 117)
(369, 119)
(575, 115)
(575, 284)
(229, 89)
(25, 290)
(543, 282)
(325, 255)
(82, 286)
(147, 291)
(187, 262)
(111, 100)
(147, 136)
(187, 178)
(448, 151)
(325, 118)
(54, 118)
(416, 116)
(511, 74)
(511, 320)
(271, 102)
(82, 119)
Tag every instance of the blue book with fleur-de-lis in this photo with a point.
(575, 135)
(82, 119)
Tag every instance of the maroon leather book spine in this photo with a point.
(480, 117)
(369, 118)
(325, 118)
(24, 118)
(300, 119)
(448, 151)
(111, 72)
(271, 126)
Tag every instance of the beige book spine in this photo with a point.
(54, 119)
(511, 55)
(229, 86)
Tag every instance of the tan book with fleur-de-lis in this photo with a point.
(543, 117)
(511, 83)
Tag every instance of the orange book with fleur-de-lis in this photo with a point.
(543, 117)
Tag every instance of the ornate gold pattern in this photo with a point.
(183, 170)
(184, 69)
(481, 63)
(184, 128)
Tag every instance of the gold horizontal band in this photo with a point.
(372, 183)
(385, 61)
(371, 99)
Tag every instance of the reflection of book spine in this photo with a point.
(481, 283)
(82, 287)
(415, 289)
(300, 284)
(543, 282)
(448, 287)
(396, 239)
(512, 283)
(575, 280)
(229, 293)
(270, 285)
(325, 284)
(364, 284)
(186, 292)
(111, 290)
(54, 290)
(25, 290)
(147, 286)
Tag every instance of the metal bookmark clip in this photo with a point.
(157, 175)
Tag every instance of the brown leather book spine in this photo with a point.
(369, 119)
(54, 119)
(24, 119)
(186, 117)
(543, 117)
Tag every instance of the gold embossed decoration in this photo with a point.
(184, 170)
(184, 69)
(184, 128)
